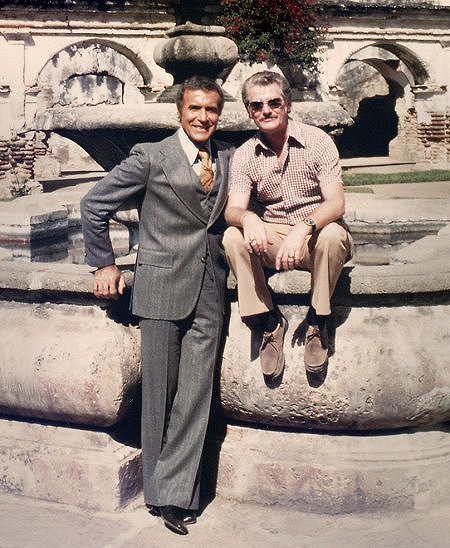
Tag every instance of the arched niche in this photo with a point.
(79, 79)
(374, 86)
(90, 72)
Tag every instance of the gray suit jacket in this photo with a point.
(176, 236)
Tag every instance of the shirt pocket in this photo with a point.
(154, 257)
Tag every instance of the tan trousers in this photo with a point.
(324, 255)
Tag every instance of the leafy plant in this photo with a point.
(277, 31)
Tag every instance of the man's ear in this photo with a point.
(288, 107)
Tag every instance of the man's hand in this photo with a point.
(292, 249)
(109, 282)
(255, 234)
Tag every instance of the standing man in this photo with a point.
(291, 170)
(178, 289)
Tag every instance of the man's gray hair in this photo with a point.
(266, 78)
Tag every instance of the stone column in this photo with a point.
(16, 44)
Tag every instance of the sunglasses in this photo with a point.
(274, 104)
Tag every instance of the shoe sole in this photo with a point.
(175, 529)
(316, 368)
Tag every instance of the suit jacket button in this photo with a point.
(203, 259)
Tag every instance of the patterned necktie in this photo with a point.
(206, 171)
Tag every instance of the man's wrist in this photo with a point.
(104, 266)
(310, 223)
(245, 214)
(302, 229)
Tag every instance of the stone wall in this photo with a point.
(19, 152)
(435, 137)
(428, 142)
(107, 41)
(53, 51)
(19, 158)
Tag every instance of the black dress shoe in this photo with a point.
(173, 519)
(153, 510)
(189, 516)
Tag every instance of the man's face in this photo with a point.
(268, 108)
(199, 114)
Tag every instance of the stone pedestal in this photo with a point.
(389, 370)
(68, 360)
(69, 465)
(335, 474)
(65, 362)
(370, 433)
(69, 390)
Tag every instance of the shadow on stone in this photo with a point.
(317, 379)
(273, 383)
(299, 335)
(217, 428)
(119, 311)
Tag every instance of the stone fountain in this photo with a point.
(368, 434)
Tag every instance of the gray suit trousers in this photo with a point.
(178, 363)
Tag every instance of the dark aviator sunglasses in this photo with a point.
(274, 104)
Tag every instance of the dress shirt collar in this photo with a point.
(189, 148)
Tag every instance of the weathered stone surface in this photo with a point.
(196, 49)
(68, 465)
(46, 167)
(426, 249)
(373, 280)
(31, 218)
(390, 370)
(164, 115)
(45, 276)
(66, 363)
(335, 474)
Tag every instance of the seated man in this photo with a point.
(292, 172)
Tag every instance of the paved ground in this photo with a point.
(436, 190)
(28, 523)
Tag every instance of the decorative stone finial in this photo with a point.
(195, 49)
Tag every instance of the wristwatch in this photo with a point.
(310, 222)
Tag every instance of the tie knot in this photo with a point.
(206, 170)
(203, 154)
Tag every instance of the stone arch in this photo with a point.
(413, 63)
(98, 70)
(375, 84)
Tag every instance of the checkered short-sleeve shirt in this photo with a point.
(290, 189)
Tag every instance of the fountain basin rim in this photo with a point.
(157, 116)
(360, 280)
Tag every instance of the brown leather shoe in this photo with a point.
(271, 353)
(316, 349)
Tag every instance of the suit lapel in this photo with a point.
(179, 175)
(221, 181)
